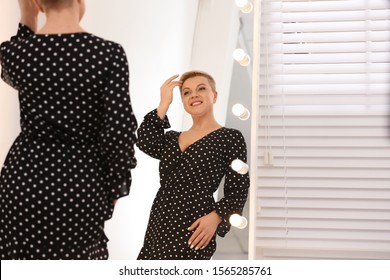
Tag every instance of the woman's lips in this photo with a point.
(196, 103)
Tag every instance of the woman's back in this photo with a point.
(74, 154)
(61, 81)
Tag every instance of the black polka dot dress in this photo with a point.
(187, 182)
(76, 147)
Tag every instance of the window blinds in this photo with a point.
(322, 180)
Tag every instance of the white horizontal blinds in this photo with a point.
(323, 178)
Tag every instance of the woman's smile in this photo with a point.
(196, 103)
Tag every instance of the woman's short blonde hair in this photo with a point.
(195, 73)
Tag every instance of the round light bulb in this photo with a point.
(238, 221)
(241, 3)
(239, 166)
(245, 6)
(240, 111)
(248, 8)
(241, 56)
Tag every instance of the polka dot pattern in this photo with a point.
(188, 180)
(75, 152)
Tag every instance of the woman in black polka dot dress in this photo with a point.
(184, 218)
(72, 159)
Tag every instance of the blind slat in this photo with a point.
(330, 90)
(329, 37)
(333, 16)
(327, 26)
(328, 68)
(335, 5)
(302, 100)
(331, 183)
(291, 79)
(327, 58)
(343, 47)
(334, 214)
(328, 224)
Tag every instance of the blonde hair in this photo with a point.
(195, 73)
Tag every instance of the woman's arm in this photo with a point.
(151, 132)
(29, 14)
(118, 134)
(27, 27)
(236, 185)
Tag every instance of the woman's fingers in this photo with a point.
(166, 95)
(204, 229)
(201, 240)
(170, 83)
(169, 80)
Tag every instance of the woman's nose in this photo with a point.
(194, 94)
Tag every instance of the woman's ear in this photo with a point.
(38, 5)
(215, 96)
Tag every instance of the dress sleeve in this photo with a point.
(236, 185)
(6, 53)
(117, 138)
(151, 134)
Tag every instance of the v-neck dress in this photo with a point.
(75, 151)
(188, 181)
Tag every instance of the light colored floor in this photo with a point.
(233, 247)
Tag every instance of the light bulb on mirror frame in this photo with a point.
(241, 57)
(239, 166)
(240, 111)
(238, 221)
(245, 6)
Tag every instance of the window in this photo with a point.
(322, 163)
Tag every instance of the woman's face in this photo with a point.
(197, 96)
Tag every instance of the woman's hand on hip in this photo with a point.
(203, 229)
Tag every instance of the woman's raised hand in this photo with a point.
(29, 13)
(166, 92)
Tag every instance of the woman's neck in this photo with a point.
(204, 123)
(61, 22)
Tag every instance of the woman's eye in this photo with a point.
(186, 92)
(202, 88)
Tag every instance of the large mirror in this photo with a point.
(161, 38)
(235, 244)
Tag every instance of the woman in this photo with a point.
(72, 159)
(184, 218)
